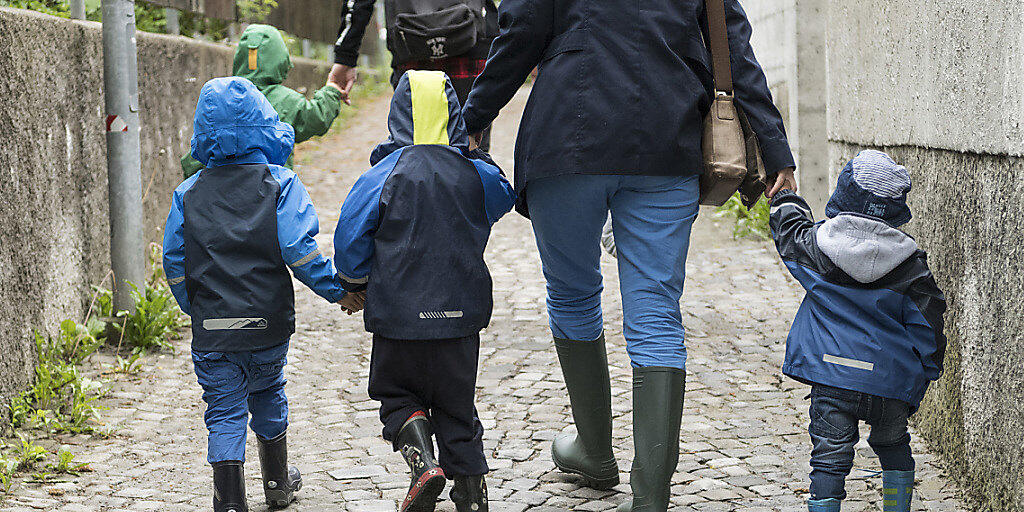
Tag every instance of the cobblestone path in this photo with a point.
(744, 441)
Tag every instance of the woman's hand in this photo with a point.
(784, 180)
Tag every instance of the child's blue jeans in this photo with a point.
(235, 386)
(835, 415)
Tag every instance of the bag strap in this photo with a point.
(721, 66)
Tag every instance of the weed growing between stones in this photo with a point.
(752, 223)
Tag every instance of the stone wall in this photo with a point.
(944, 95)
(789, 41)
(54, 229)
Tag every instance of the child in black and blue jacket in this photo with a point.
(868, 336)
(412, 234)
(234, 230)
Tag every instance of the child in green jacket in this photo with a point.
(263, 58)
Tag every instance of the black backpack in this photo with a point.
(434, 29)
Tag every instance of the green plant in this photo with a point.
(66, 464)
(7, 470)
(748, 223)
(155, 320)
(129, 365)
(28, 454)
(255, 11)
(60, 400)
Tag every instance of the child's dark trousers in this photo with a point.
(835, 415)
(437, 377)
(238, 386)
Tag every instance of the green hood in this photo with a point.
(262, 56)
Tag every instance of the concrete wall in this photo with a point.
(54, 225)
(944, 95)
(789, 41)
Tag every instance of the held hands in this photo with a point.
(342, 78)
(784, 180)
(353, 302)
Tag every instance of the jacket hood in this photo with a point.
(262, 56)
(424, 110)
(235, 124)
(865, 248)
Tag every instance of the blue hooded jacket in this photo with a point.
(872, 318)
(413, 229)
(237, 225)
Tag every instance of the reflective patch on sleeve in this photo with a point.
(252, 59)
(429, 107)
(802, 210)
(353, 280)
(306, 259)
(176, 280)
(852, 363)
(234, 324)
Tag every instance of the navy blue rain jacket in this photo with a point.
(872, 317)
(236, 226)
(623, 87)
(413, 229)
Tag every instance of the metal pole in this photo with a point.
(121, 95)
(78, 9)
(173, 26)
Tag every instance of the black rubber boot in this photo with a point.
(588, 453)
(280, 481)
(229, 487)
(657, 412)
(428, 480)
(469, 494)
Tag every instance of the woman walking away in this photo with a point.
(614, 123)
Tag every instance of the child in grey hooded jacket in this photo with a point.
(868, 336)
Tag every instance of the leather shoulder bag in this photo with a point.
(732, 155)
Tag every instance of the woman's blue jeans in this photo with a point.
(237, 385)
(651, 220)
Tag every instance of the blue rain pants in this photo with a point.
(240, 388)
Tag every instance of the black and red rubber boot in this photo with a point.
(417, 447)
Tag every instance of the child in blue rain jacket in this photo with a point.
(868, 335)
(412, 234)
(234, 230)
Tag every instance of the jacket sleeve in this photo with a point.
(297, 227)
(357, 225)
(924, 322)
(499, 197)
(752, 93)
(174, 253)
(792, 227)
(524, 35)
(311, 118)
(355, 15)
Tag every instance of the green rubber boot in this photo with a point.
(588, 453)
(657, 412)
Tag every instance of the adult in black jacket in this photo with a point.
(614, 123)
(461, 69)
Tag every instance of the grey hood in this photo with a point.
(864, 248)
